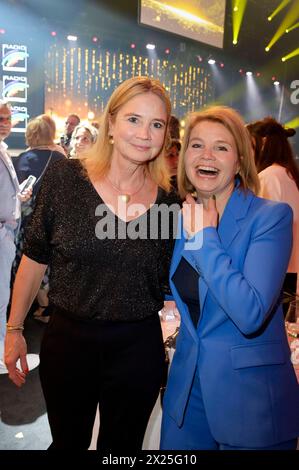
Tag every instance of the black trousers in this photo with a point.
(289, 286)
(118, 365)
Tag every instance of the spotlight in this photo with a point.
(236, 8)
(95, 39)
(258, 74)
(211, 61)
(276, 83)
(2, 31)
(70, 37)
(235, 42)
(90, 115)
(248, 73)
(283, 59)
(269, 18)
(273, 78)
(167, 51)
(132, 46)
(241, 71)
(221, 65)
(267, 49)
(53, 33)
(287, 30)
(151, 47)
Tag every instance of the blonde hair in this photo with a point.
(234, 123)
(98, 159)
(89, 128)
(40, 131)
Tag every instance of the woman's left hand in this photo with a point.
(199, 216)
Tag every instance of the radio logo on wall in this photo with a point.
(19, 118)
(14, 58)
(15, 88)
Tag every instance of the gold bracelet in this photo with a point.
(14, 327)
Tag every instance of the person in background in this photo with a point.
(172, 158)
(71, 122)
(83, 138)
(279, 179)
(103, 344)
(231, 384)
(10, 214)
(41, 153)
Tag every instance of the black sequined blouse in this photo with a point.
(92, 278)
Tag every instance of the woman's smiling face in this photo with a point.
(211, 159)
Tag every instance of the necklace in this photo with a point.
(124, 195)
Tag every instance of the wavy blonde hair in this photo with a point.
(234, 123)
(97, 161)
(40, 131)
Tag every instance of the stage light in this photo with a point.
(90, 115)
(2, 31)
(221, 65)
(241, 71)
(276, 83)
(199, 58)
(248, 73)
(258, 74)
(167, 51)
(273, 78)
(151, 47)
(290, 17)
(95, 39)
(267, 49)
(132, 46)
(211, 61)
(238, 14)
(294, 26)
(290, 55)
(70, 37)
(53, 33)
(278, 9)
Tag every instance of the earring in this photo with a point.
(111, 140)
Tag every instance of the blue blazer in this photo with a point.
(239, 348)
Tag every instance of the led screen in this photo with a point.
(201, 20)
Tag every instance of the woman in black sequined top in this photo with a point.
(105, 225)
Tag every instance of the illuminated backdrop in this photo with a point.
(81, 79)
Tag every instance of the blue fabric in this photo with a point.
(249, 388)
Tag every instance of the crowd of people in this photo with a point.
(125, 215)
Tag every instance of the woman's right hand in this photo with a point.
(16, 348)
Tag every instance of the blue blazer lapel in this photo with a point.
(236, 209)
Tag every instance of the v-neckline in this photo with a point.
(108, 206)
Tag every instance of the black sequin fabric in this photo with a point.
(91, 278)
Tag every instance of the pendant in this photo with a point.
(125, 198)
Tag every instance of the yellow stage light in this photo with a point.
(291, 16)
(290, 55)
(238, 14)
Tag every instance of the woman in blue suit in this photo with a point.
(231, 384)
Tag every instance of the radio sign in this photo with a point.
(19, 118)
(15, 88)
(14, 58)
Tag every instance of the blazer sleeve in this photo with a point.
(249, 295)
